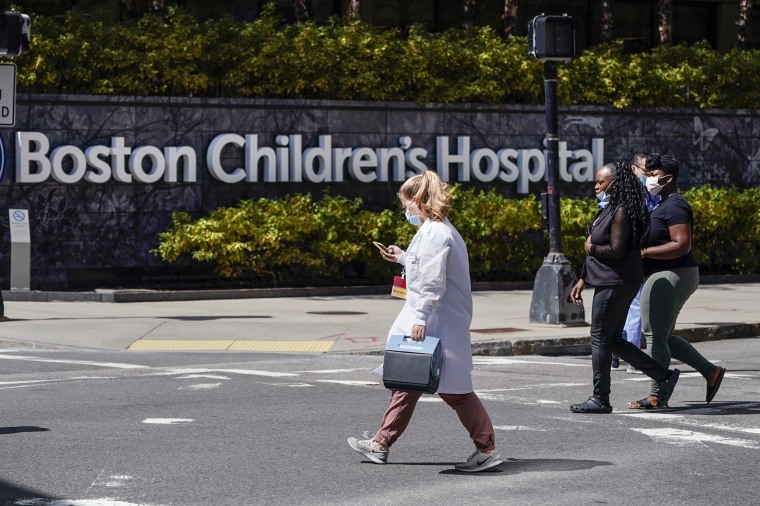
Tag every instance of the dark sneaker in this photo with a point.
(367, 448)
(479, 461)
(615, 361)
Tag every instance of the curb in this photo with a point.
(582, 345)
(119, 296)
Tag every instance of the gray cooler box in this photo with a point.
(412, 366)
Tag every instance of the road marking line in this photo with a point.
(230, 345)
(289, 385)
(518, 428)
(200, 386)
(350, 382)
(205, 376)
(167, 421)
(50, 381)
(335, 371)
(114, 365)
(685, 437)
(247, 372)
(684, 420)
(533, 387)
(513, 361)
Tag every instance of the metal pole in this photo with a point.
(552, 155)
(551, 302)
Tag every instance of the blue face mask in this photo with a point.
(412, 218)
(643, 180)
(603, 198)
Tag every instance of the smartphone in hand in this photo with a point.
(382, 247)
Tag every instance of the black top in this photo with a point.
(614, 259)
(673, 211)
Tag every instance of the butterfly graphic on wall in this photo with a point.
(702, 137)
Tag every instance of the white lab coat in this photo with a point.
(439, 296)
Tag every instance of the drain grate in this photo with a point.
(337, 313)
(502, 330)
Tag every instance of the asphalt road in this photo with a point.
(97, 428)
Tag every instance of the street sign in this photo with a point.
(7, 94)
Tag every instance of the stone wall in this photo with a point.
(87, 235)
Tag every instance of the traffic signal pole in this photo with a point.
(551, 303)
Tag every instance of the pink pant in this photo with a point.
(469, 409)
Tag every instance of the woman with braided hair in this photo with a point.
(613, 268)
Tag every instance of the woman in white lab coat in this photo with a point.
(438, 303)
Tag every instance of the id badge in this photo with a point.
(399, 287)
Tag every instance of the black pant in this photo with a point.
(610, 308)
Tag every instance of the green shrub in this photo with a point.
(176, 55)
(297, 240)
(726, 235)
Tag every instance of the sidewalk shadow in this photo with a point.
(11, 492)
(717, 408)
(17, 430)
(519, 466)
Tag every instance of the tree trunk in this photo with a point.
(469, 13)
(353, 9)
(665, 21)
(301, 8)
(509, 17)
(745, 10)
(608, 21)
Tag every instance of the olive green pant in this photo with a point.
(662, 297)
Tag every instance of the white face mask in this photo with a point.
(653, 185)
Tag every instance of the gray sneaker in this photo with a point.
(367, 448)
(479, 462)
(633, 370)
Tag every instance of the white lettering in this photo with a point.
(491, 165)
(214, 158)
(155, 159)
(173, 156)
(526, 175)
(461, 159)
(322, 158)
(26, 156)
(102, 172)
(118, 160)
(505, 160)
(363, 158)
(78, 164)
(287, 162)
(254, 155)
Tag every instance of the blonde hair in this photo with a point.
(430, 193)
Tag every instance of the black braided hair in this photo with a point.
(626, 190)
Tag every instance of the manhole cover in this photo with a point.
(495, 331)
(337, 313)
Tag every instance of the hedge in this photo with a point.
(177, 55)
(297, 239)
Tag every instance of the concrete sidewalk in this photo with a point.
(331, 323)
